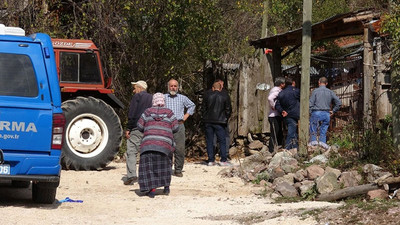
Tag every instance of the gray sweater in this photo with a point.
(321, 99)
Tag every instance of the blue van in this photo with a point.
(31, 119)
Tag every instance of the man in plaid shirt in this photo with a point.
(178, 104)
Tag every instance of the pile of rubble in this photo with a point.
(282, 174)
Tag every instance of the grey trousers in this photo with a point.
(132, 150)
(179, 154)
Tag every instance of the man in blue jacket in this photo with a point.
(288, 104)
(320, 107)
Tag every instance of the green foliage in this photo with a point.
(288, 199)
(338, 161)
(261, 176)
(381, 205)
(292, 9)
(311, 194)
(313, 213)
(360, 145)
(345, 138)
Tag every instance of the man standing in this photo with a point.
(224, 91)
(216, 111)
(274, 118)
(178, 103)
(140, 101)
(227, 134)
(320, 107)
(288, 104)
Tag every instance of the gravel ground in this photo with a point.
(201, 196)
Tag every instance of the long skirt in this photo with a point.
(155, 170)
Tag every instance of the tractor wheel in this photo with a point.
(93, 134)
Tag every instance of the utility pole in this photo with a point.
(305, 79)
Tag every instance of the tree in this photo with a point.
(391, 25)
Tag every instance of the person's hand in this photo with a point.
(127, 134)
(185, 117)
(331, 113)
(284, 113)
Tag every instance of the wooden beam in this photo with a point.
(361, 17)
(290, 51)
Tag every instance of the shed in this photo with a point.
(364, 22)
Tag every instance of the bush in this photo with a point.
(361, 145)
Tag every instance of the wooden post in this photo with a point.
(368, 75)
(379, 80)
(305, 78)
(277, 60)
(264, 28)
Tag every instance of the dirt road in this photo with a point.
(201, 196)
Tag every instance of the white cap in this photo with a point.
(141, 83)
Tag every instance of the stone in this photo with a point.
(277, 159)
(276, 172)
(286, 178)
(297, 185)
(286, 190)
(335, 171)
(350, 178)
(289, 164)
(256, 145)
(377, 194)
(253, 152)
(314, 171)
(233, 151)
(319, 159)
(253, 161)
(300, 175)
(249, 137)
(240, 142)
(306, 186)
(372, 172)
(327, 183)
(275, 195)
(265, 148)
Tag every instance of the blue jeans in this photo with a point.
(227, 140)
(319, 123)
(219, 130)
(292, 137)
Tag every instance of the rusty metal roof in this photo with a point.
(341, 25)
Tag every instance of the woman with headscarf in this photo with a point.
(155, 167)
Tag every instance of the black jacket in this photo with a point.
(216, 107)
(139, 102)
(289, 100)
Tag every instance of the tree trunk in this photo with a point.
(347, 192)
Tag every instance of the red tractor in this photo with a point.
(93, 130)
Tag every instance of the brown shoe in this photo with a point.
(178, 174)
(130, 181)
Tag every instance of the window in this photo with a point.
(79, 68)
(17, 76)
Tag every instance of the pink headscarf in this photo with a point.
(158, 99)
